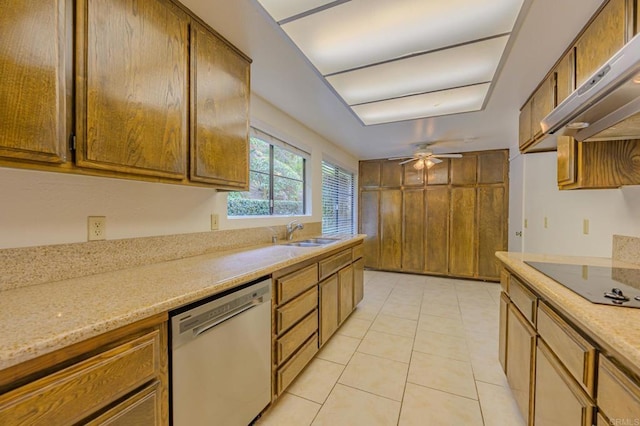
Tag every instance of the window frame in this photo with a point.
(273, 143)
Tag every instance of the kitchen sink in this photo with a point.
(313, 242)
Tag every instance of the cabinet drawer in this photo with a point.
(67, 396)
(558, 398)
(294, 366)
(523, 299)
(618, 395)
(577, 355)
(287, 344)
(293, 311)
(331, 264)
(357, 251)
(295, 283)
(143, 408)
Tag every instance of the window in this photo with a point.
(276, 180)
(337, 199)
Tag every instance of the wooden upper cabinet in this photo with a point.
(544, 100)
(220, 111)
(369, 174)
(33, 89)
(132, 87)
(524, 133)
(565, 76)
(439, 173)
(602, 38)
(391, 174)
(464, 170)
(413, 177)
(493, 167)
(566, 160)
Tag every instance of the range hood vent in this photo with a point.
(607, 105)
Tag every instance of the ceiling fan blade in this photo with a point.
(408, 161)
(434, 160)
(399, 158)
(447, 155)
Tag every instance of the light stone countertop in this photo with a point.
(42, 318)
(615, 329)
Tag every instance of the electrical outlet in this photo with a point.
(214, 222)
(96, 228)
(585, 226)
(526, 223)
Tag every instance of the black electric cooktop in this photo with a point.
(598, 284)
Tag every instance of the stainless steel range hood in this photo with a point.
(607, 105)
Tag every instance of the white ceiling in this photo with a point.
(283, 76)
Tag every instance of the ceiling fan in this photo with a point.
(424, 157)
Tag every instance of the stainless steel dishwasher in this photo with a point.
(221, 358)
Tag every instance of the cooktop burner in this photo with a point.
(598, 284)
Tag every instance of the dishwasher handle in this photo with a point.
(197, 331)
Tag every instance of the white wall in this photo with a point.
(40, 208)
(516, 199)
(610, 211)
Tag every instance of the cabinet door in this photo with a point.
(601, 39)
(413, 231)
(329, 308)
(558, 398)
(369, 174)
(493, 167)
(462, 243)
(618, 394)
(358, 281)
(492, 235)
(412, 177)
(521, 344)
(524, 122)
(369, 201)
(565, 81)
(391, 174)
(345, 278)
(464, 170)
(143, 408)
(544, 100)
(33, 89)
(220, 111)
(439, 173)
(437, 232)
(391, 229)
(566, 160)
(132, 99)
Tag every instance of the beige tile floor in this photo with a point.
(417, 351)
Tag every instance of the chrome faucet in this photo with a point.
(291, 227)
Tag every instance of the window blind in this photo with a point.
(337, 199)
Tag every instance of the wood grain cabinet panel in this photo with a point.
(436, 251)
(294, 338)
(140, 409)
(566, 160)
(220, 111)
(565, 76)
(368, 224)
(329, 308)
(292, 284)
(524, 126)
(132, 96)
(412, 177)
(524, 299)
(345, 279)
(492, 232)
(391, 175)
(293, 367)
(462, 242)
(618, 394)
(604, 36)
(493, 167)
(521, 344)
(33, 103)
(413, 230)
(369, 174)
(464, 170)
(544, 100)
(559, 401)
(70, 395)
(291, 312)
(334, 262)
(439, 173)
(358, 281)
(391, 229)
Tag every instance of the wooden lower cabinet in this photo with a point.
(559, 400)
(521, 344)
(358, 281)
(329, 308)
(134, 365)
(618, 394)
(345, 280)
